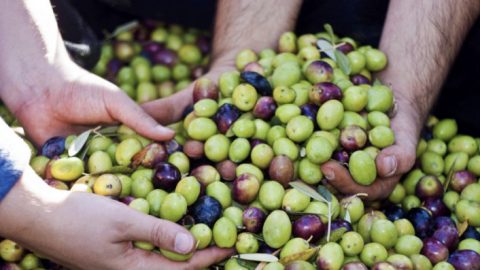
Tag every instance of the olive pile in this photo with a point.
(244, 172)
(154, 60)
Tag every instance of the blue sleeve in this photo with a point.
(9, 174)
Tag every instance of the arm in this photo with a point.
(48, 92)
(421, 40)
(242, 24)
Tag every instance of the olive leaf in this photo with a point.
(300, 256)
(299, 214)
(347, 216)
(325, 193)
(343, 62)
(336, 235)
(329, 29)
(123, 28)
(108, 131)
(259, 237)
(307, 190)
(256, 257)
(79, 143)
(117, 169)
(246, 264)
(327, 48)
(462, 227)
(450, 175)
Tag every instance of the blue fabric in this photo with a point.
(9, 174)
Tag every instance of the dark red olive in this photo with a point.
(436, 207)
(194, 149)
(264, 108)
(318, 71)
(166, 176)
(165, 57)
(227, 169)
(149, 156)
(429, 187)
(359, 79)
(461, 179)
(434, 250)
(341, 156)
(353, 138)
(382, 266)
(309, 226)
(281, 169)
(345, 47)
(203, 43)
(172, 146)
(153, 47)
(245, 188)
(324, 91)
(341, 223)
(253, 219)
(226, 115)
(205, 88)
(354, 266)
(441, 221)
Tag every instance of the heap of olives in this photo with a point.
(243, 171)
(154, 60)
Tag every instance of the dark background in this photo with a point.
(85, 21)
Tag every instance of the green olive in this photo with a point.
(173, 207)
(239, 150)
(262, 155)
(277, 229)
(221, 192)
(189, 188)
(203, 235)
(355, 98)
(155, 199)
(299, 128)
(216, 147)
(381, 136)
(141, 186)
(126, 149)
(246, 243)
(286, 74)
(201, 129)
(309, 172)
(67, 169)
(244, 128)
(286, 112)
(319, 150)
(380, 98)
(227, 82)
(205, 107)
(99, 162)
(330, 114)
(294, 246)
(181, 161)
(224, 233)
(284, 146)
(235, 214)
(445, 129)
(295, 201)
(244, 97)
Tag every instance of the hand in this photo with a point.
(391, 162)
(170, 109)
(86, 231)
(73, 100)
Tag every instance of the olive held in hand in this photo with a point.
(53, 147)
(258, 81)
(362, 168)
(67, 169)
(224, 233)
(353, 138)
(204, 88)
(244, 97)
(246, 243)
(330, 115)
(149, 156)
(203, 235)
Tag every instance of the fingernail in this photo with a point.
(183, 243)
(391, 162)
(329, 174)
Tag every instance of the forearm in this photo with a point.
(421, 39)
(31, 42)
(250, 24)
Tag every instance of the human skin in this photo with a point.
(52, 96)
(421, 40)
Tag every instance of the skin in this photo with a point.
(51, 96)
(421, 40)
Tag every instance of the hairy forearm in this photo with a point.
(31, 43)
(422, 39)
(251, 24)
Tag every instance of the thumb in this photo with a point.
(125, 110)
(170, 109)
(161, 233)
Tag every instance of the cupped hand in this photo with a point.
(392, 162)
(73, 100)
(85, 231)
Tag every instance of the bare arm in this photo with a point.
(421, 39)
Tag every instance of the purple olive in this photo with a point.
(254, 67)
(166, 176)
(203, 43)
(205, 88)
(341, 223)
(434, 250)
(354, 266)
(253, 219)
(127, 200)
(394, 212)
(245, 188)
(165, 57)
(324, 91)
(227, 169)
(255, 142)
(281, 169)
(310, 110)
(9, 266)
(53, 147)
(318, 71)
(421, 221)
(471, 232)
(309, 226)
(259, 82)
(359, 79)
(353, 138)
(461, 179)
(226, 115)
(172, 146)
(429, 187)
(345, 48)
(206, 210)
(149, 156)
(113, 67)
(439, 222)
(436, 207)
(264, 108)
(341, 156)
(153, 47)
(465, 260)
(264, 248)
(448, 236)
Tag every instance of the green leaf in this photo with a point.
(108, 130)
(79, 143)
(117, 169)
(462, 227)
(343, 62)
(325, 193)
(246, 264)
(450, 175)
(299, 214)
(347, 216)
(307, 190)
(123, 28)
(328, 28)
(259, 237)
(327, 48)
(256, 257)
(335, 236)
(300, 256)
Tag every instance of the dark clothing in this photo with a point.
(360, 19)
